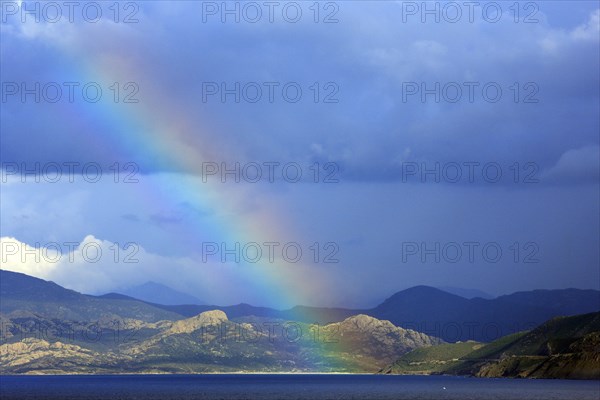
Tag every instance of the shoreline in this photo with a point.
(296, 373)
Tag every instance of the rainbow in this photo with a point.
(160, 130)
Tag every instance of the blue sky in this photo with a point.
(375, 134)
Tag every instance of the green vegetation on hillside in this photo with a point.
(434, 359)
(563, 347)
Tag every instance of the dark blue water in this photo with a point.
(289, 387)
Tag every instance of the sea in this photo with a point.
(289, 387)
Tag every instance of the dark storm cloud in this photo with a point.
(372, 60)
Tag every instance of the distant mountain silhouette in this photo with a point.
(158, 293)
(115, 296)
(454, 318)
(14, 285)
(422, 308)
(466, 293)
(438, 313)
(20, 292)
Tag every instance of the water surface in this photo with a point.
(289, 387)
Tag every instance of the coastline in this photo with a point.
(240, 373)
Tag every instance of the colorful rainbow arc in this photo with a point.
(159, 130)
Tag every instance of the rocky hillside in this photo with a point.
(431, 360)
(208, 342)
(376, 339)
(564, 348)
(49, 329)
(39, 356)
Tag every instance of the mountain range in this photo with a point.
(52, 330)
(158, 293)
(420, 308)
(437, 313)
(46, 328)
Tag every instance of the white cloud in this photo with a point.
(65, 25)
(576, 165)
(96, 266)
(589, 30)
(553, 41)
(100, 266)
